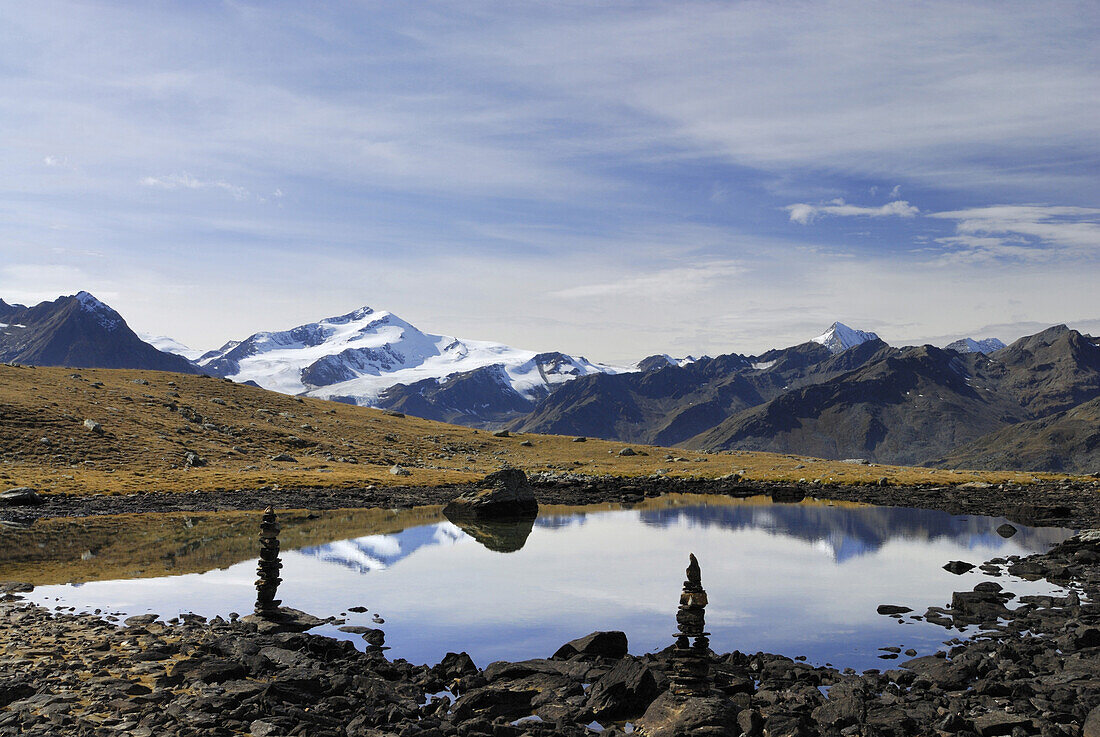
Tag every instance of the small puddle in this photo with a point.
(801, 579)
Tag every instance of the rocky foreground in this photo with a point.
(1036, 671)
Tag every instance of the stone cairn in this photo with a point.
(691, 662)
(267, 572)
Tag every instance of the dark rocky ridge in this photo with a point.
(915, 405)
(82, 332)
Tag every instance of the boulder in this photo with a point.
(20, 496)
(611, 644)
(958, 567)
(93, 426)
(500, 494)
(284, 458)
(701, 716)
(624, 691)
(627, 452)
(1092, 724)
(400, 471)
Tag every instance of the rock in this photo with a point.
(624, 691)
(700, 716)
(503, 493)
(527, 444)
(958, 567)
(975, 485)
(1006, 530)
(391, 413)
(284, 458)
(454, 665)
(140, 620)
(93, 426)
(498, 535)
(610, 644)
(400, 471)
(1091, 727)
(20, 496)
(284, 619)
(892, 609)
(580, 439)
(494, 701)
(1000, 722)
(194, 460)
(502, 434)
(627, 452)
(260, 728)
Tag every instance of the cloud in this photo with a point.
(186, 181)
(674, 281)
(805, 213)
(1022, 232)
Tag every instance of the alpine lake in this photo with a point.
(800, 579)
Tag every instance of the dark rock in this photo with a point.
(502, 434)
(498, 535)
(624, 691)
(999, 723)
(454, 665)
(20, 496)
(1006, 530)
(284, 458)
(893, 609)
(491, 702)
(627, 452)
(611, 644)
(503, 493)
(958, 567)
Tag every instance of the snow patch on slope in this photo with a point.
(107, 317)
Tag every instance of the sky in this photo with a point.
(607, 179)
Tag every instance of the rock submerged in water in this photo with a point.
(501, 494)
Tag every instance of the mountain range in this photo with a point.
(844, 394)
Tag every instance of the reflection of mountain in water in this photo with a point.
(375, 552)
(850, 532)
(845, 532)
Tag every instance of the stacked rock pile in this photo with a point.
(267, 571)
(691, 661)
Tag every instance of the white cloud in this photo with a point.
(673, 281)
(1022, 232)
(805, 213)
(186, 181)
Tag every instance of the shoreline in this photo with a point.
(1063, 504)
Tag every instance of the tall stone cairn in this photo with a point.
(267, 571)
(691, 661)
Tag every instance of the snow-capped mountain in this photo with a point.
(839, 338)
(969, 345)
(363, 355)
(171, 345)
(661, 360)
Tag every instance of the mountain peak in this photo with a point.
(969, 345)
(839, 338)
(107, 316)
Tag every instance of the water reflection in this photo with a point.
(798, 578)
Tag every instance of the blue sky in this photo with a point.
(613, 179)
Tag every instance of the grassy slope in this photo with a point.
(236, 429)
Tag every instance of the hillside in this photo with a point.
(1064, 441)
(176, 432)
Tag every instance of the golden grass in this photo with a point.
(237, 429)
